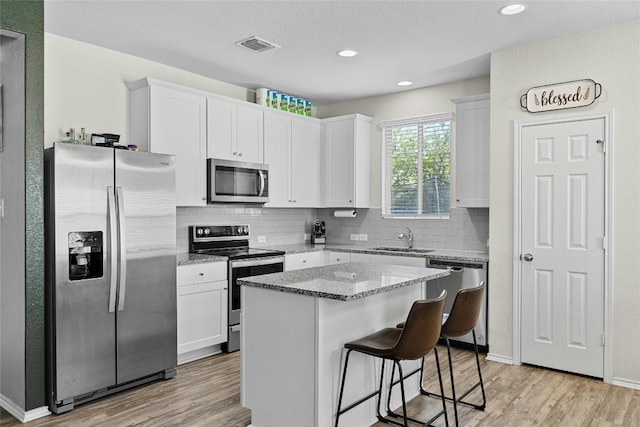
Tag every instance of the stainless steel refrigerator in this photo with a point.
(111, 271)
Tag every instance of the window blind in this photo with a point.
(416, 166)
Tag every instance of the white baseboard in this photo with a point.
(626, 383)
(499, 358)
(201, 353)
(19, 413)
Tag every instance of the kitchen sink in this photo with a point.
(397, 249)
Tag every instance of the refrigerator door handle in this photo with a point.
(113, 244)
(122, 249)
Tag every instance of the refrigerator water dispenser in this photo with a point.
(85, 255)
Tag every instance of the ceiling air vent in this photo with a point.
(257, 44)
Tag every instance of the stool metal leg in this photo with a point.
(480, 383)
(378, 392)
(402, 377)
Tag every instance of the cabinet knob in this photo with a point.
(200, 274)
(304, 261)
(350, 201)
(235, 153)
(240, 154)
(293, 201)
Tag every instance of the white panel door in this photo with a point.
(562, 236)
(277, 141)
(249, 134)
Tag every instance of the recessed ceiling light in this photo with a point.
(405, 83)
(513, 9)
(347, 53)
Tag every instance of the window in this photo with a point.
(416, 167)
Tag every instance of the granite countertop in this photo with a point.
(186, 258)
(344, 282)
(289, 249)
(449, 254)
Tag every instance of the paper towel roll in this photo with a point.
(345, 214)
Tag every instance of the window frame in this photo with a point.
(386, 163)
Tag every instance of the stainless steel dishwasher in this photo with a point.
(463, 274)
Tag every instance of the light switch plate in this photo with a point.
(262, 239)
(363, 237)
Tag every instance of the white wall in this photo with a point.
(411, 103)
(611, 57)
(84, 86)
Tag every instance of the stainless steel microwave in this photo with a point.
(230, 181)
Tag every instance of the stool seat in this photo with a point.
(379, 344)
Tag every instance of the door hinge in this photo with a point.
(604, 145)
(603, 339)
(604, 243)
(1, 208)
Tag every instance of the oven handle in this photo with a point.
(256, 262)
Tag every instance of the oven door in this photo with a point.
(231, 181)
(239, 269)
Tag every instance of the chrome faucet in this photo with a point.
(408, 237)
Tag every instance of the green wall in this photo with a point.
(27, 17)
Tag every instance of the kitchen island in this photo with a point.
(294, 326)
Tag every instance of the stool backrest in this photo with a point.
(421, 329)
(464, 312)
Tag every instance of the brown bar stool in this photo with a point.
(414, 341)
(462, 320)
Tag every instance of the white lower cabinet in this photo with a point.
(336, 257)
(389, 259)
(202, 309)
(303, 260)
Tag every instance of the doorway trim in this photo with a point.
(608, 328)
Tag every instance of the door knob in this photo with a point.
(528, 257)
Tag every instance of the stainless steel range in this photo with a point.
(232, 241)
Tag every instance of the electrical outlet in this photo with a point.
(307, 236)
(354, 237)
(262, 239)
(363, 237)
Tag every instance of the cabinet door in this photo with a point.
(336, 257)
(249, 134)
(472, 154)
(178, 126)
(305, 163)
(339, 163)
(303, 260)
(202, 315)
(277, 138)
(221, 127)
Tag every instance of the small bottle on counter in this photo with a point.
(71, 137)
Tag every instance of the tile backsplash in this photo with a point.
(278, 226)
(466, 229)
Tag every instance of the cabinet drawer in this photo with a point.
(201, 273)
(304, 260)
(336, 257)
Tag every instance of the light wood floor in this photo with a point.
(206, 393)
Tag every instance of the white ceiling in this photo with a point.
(427, 42)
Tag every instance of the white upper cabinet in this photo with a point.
(170, 119)
(347, 161)
(234, 130)
(472, 151)
(306, 159)
(292, 151)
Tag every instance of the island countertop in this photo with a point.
(344, 282)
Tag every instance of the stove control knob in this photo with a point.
(246, 231)
(239, 231)
(199, 231)
(207, 231)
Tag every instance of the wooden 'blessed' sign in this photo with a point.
(558, 96)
